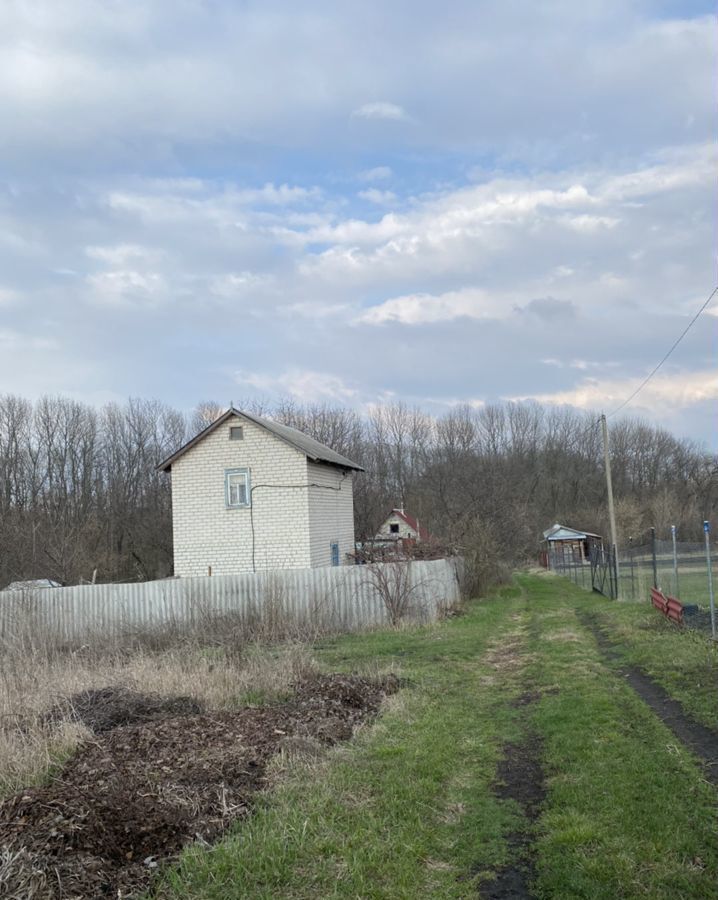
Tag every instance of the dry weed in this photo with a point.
(563, 634)
(22, 877)
(37, 730)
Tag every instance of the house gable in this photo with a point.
(312, 449)
(400, 524)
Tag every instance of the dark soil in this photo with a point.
(701, 740)
(519, 778)
(103, 709)
(130, 800)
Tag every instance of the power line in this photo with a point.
(675, 344)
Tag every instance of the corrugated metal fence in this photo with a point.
(342, 598)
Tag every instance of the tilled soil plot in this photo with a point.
(134, 797)
(102, 709)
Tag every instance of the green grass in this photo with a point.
(692, 582)
(685, 662)
(407, 809)
(628, 814)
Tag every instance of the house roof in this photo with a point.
(412, 523)
(564, 533)
(312, 449)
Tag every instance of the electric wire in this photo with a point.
(673, 347)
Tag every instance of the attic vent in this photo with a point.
(236, 433)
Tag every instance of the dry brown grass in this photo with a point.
(36, 678)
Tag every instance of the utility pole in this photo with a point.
(609, 488)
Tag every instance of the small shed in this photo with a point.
(399, 525)
(563, 546)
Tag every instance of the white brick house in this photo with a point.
(250, 494)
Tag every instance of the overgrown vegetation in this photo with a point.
(81, 497)
(414, 809)
(219, 670)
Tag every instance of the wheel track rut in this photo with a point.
(702, 741)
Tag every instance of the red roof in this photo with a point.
(413, 524)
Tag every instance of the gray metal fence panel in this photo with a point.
(344, 597)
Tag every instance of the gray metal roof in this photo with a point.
(312, 449)
(563, 532)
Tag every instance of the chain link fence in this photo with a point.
(685, 570)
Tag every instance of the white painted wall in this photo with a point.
(207, 533)
(331, 513)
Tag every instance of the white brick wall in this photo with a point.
(206, 533)
(295, 520)
(331, 513)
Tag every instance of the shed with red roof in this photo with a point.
(399, 525)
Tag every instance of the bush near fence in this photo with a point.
(341, 598)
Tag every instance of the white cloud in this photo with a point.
(8, 296)
(421, 309)
(580, 364)
(381, 198)
(589, 224)
(317, 310)
(127, 287)
(663, 394)
(121, 254)
(11, 340)
(578, 212)
(248, 75)
(380, 109)
(378, 173)
(541, 222)
(235, 285)
(305, 385)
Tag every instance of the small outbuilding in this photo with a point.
(563, 546)
(399, 525)
(250, 494)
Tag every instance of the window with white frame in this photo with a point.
(237, 491)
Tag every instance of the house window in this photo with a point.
(237, 492)
(335, 553)
(236, 433)
(394, 528)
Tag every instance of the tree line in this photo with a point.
(81, 497)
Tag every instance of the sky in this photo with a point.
(351, 203)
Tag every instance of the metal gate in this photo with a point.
(604, 574)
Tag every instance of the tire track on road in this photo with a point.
(702, 741)
(519, 780)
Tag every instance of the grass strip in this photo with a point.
(683, 661)
(628, 812)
